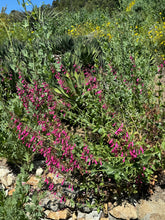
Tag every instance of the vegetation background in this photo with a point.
(81, 82)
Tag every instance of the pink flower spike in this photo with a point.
(62, 182)
(32, 138)
(142, 150)
(46, 181)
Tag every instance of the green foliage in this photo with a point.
(85, 52)
(102, 94)
(20, 206)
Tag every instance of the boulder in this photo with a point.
(125, 211)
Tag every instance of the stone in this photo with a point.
(124, 211)
(93, 215)
(49, 197)
(33, 181)
(53, 206)
(10, 193)
(104, 218)
(154, 216)
(74, 216)
(62, 214)
(54, 178)
(85, 209)
(105, 210)
(8, 180)
(3, 161)
(110, 217)
(81, 215)
(150, 207)
(4, 172)
(39, 171)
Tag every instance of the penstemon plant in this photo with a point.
(82, 134)
(98, 127)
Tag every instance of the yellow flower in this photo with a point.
(129, 7)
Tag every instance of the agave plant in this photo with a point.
(86, 52)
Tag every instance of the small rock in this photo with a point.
(111, 217)
(104, 218)
(125, 211)
(74, 216)
(63, 214)
(69, 204)
(81, 215)
(53, 206)
(10, 193)
(105, 209)
(8, 180)
(4, 172)
(33, 181)
(93, 215)
(54, 178)
(47, 199)
(85, 209)
(3, 161)
(39, 171)
(150, 207)
(47, 212)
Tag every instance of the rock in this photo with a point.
(162, 180)
(3, 161)
(8, 180)
(150, 207)
(154, 216)
(74, 216)
(39, 171)
(10, 193)
(33, 181)
(111, 217)
(47, 199)
(69, 204)
(63, 214)
(85, 209)
(81, 215)
(158, 194)
(124, 211)
(105, 210)
(104, 218)
(53, 206)
(4, 172)
(56, 179)
(93, 215)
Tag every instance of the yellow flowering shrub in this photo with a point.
(131, 4)
(157, 35)
(89, 28)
